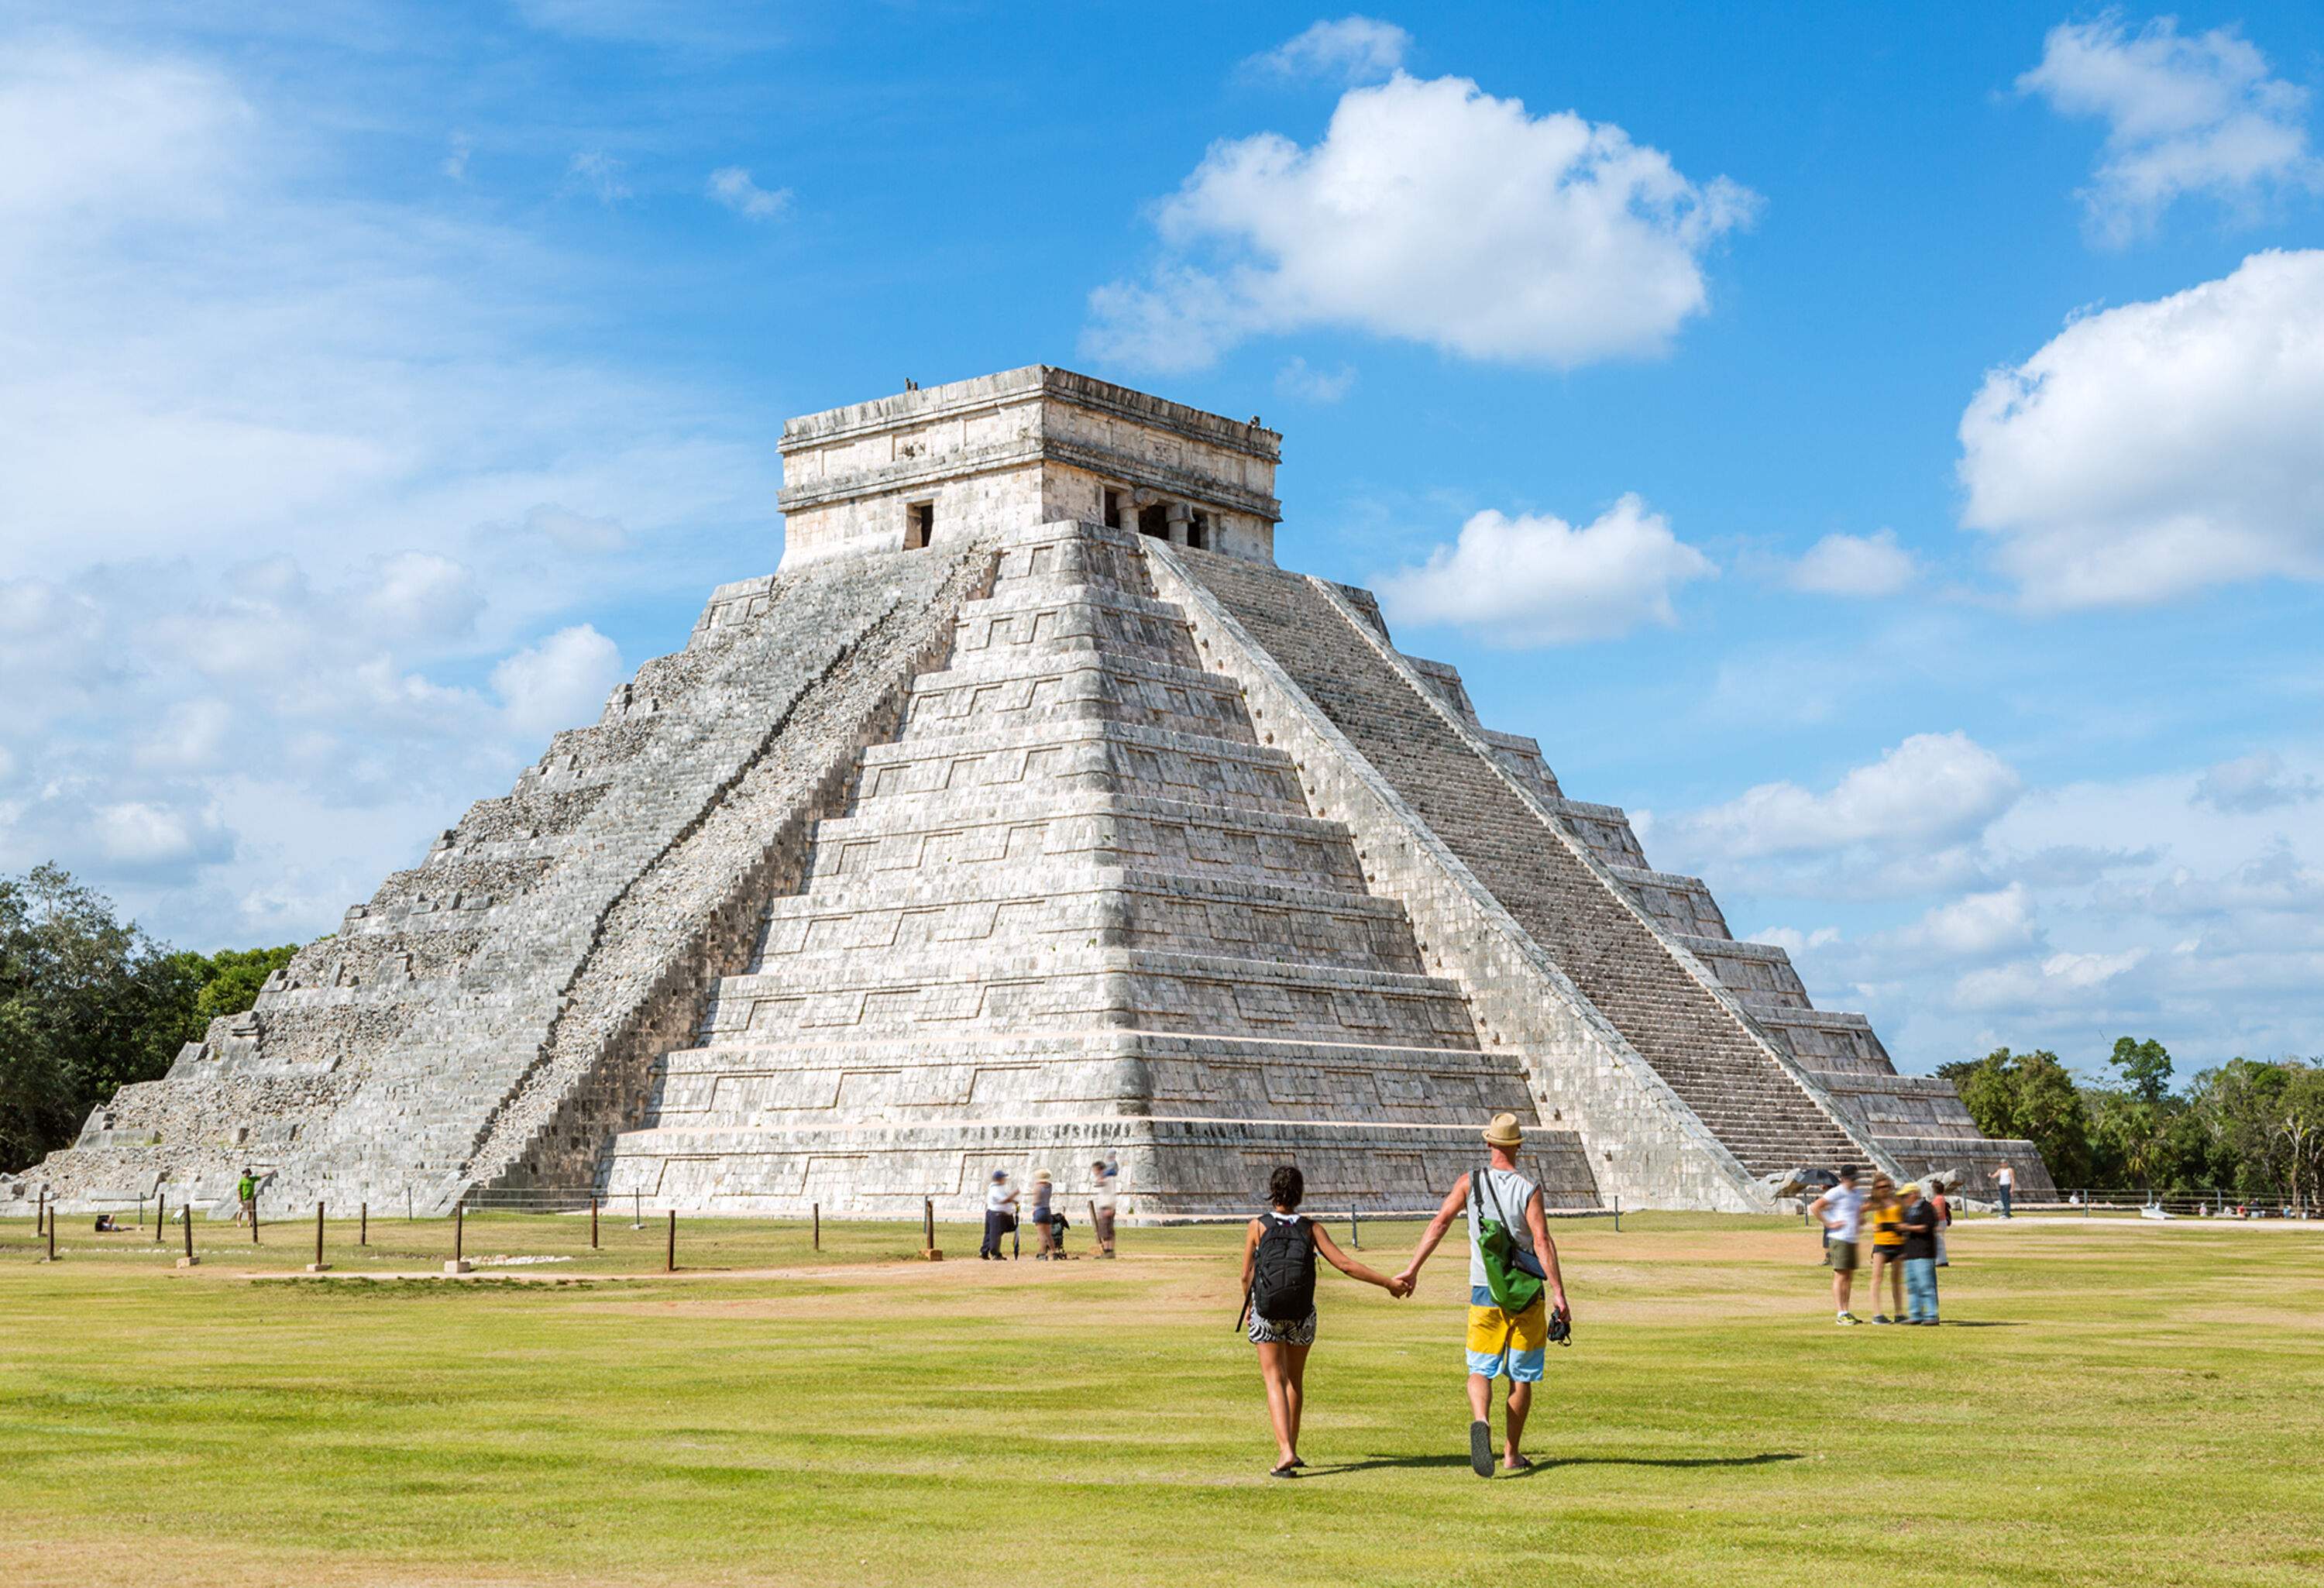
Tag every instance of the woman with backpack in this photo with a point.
(1278, 1285)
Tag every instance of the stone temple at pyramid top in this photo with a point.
(1029, 815)
(940, 464)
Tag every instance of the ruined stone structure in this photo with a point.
(1028, 814)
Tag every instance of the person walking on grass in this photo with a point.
(245, 1197)
(1041, 1216)
(1279, 1297)
(999, 1220)
(2004, 1184)
(1886, 1214)
(1105, 1181)
(1922, 1233)
(1513, 1283)
(1840, 1209)
(1938, 1200)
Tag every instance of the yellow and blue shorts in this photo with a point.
(1506, 1345)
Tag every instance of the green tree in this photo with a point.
(2145, 1068)
(2031, 1095)
(90, 1003)
(235, 975)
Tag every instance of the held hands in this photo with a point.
(1404, 1284)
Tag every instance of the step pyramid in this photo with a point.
(1028, 816)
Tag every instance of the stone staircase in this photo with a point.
(1076, 906)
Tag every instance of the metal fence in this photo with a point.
(2184, 1205)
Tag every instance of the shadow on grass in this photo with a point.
(1377, 1463)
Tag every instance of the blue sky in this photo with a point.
(1881, 447)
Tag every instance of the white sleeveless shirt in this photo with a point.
(1513, 1191)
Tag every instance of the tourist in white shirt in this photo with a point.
(1101, 1201)
(1841, 1209)
(999, 1198)
(2005, 1182)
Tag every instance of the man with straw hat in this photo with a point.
(1513, 1285)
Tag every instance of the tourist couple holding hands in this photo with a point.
(1513, 1278)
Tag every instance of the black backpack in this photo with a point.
(1283, 1272)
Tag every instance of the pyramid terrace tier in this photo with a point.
(1035, 616)
(1171, 1169)
(1091, 755)
(1030, 688)
(1020, 989)
(1076, 1075)
(1050, 906)
(1097, 827)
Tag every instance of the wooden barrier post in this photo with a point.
(1355, 1235)
(637, 1210)
(189, 1260)
(459, 1263)
(319, 1265)
(140, 1210)
(816, 1209)
(253, 1215)
(160, 1214)
(53, 1234)
(669, 1257)
(593, 1222)
(1618, 1211)
(928, 1226)
(362, 1225)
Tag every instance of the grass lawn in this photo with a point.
(2112, 1402)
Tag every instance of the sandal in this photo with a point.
(1480, 1449)
(1285, 1471)
(1517, 1463)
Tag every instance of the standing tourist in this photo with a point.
(1041, 1188)
(1513, 1280)
(1106, 1178)
(1920, 1229)
(1943, 1204)
(998, 1219)
(245, 1197)
(1279, 1290)
(1888, 1216)
(2005, 1182)
(1841, 1211)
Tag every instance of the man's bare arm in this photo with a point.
(1454, 1201)
(1537, 1226)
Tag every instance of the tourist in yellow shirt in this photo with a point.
(1885, 1214)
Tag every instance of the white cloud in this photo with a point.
(560, 683)
(280, 462)
(1795, 942)
(458, 148)
(2153, 449)
(422, 593)
(2184, 116)
(1855, 565)
(1298, 380)
(136, 836)
(1352, 50)
(1931, 790)
(1436, 213)
(731, 186)
(2258, 782)
(1977, 926)
(599, 173)
(2059, 979)
(1537, 580)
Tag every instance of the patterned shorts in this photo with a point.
(1505, 1346)
(1282, 1331)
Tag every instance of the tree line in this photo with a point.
(2251, 1128)
(90, 1003)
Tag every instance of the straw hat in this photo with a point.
(1504, 1132)
(1041, 1175)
